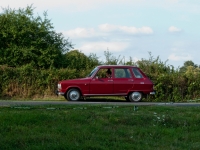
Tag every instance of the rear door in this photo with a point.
(139, 80)
(123, 80)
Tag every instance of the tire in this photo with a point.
(135, 96)
(73, 95)
(127, 98)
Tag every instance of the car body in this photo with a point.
(127, 81)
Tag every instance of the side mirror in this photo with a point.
(97, 77)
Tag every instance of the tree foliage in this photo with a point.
(188, 64)
(112, 60)
(75, 59)
(26, 39)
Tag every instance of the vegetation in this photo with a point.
(26, 82)
(25, 39)
(99, 127)
(33, 58)
(170, 84)
(79, 61)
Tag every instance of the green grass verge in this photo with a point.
(99, 127)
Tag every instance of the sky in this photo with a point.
(168, 29)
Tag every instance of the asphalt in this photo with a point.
(8, 103)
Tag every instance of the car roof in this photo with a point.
(116, 66)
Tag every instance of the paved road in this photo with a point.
(9, 103)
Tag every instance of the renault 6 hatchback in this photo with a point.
(108, 80)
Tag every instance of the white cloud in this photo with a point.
(125, 29)
(180, 57)
(80, 33)
(66, 5)
(94, 47)
(173, 29)
(106, 30)
(107, 27)
(135, 59)
(77, 5)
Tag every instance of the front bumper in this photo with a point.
(59, 93)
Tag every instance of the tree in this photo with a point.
(186, 65)
(112, 60)
(25, 39)
(154, 65)
(78, 60)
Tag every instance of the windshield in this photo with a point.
(92, 72)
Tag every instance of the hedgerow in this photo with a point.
(28, 82)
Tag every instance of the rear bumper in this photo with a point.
(153, 93)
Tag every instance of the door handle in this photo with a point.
(110, 80)
(131, 80)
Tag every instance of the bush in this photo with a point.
(28, 82)
(170, 84)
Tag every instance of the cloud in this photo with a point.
(180, 57)
(125, 29)
(110, 37)
(93, 47)
(107, 30)
(174, 29)
(76, 5)
(80, 33)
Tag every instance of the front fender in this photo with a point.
(70, 87)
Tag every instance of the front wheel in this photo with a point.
(135, 96)
(73, 95)
(127, 98)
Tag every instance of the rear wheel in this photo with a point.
(73, 95)
(135, 96)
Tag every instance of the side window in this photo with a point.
(104, 73)
(122, 73)
(137, 73)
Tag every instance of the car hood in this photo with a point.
(80, 80)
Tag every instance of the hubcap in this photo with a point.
(136, 96)
(74, 95)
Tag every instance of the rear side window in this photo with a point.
(122, 73)
(137, 73)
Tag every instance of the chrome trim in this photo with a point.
(74, 95)
(119, 94)
(59, 86)
(136, 96)
(152, 93)
(60, 93)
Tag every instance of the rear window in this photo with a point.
(137, 73)
(122, 73)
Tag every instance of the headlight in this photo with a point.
(59, 86)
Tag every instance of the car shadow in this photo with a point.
(103, 100)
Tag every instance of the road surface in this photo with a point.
(9, 103)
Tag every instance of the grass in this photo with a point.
(99, 127)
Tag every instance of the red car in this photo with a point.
(108, 80)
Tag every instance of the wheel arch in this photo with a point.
(72, 87)
(131, 92)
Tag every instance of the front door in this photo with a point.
(101, 84)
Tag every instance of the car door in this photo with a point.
(139, 80)
(100, 84)
(123, 80)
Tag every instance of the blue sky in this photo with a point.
(169, 29)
